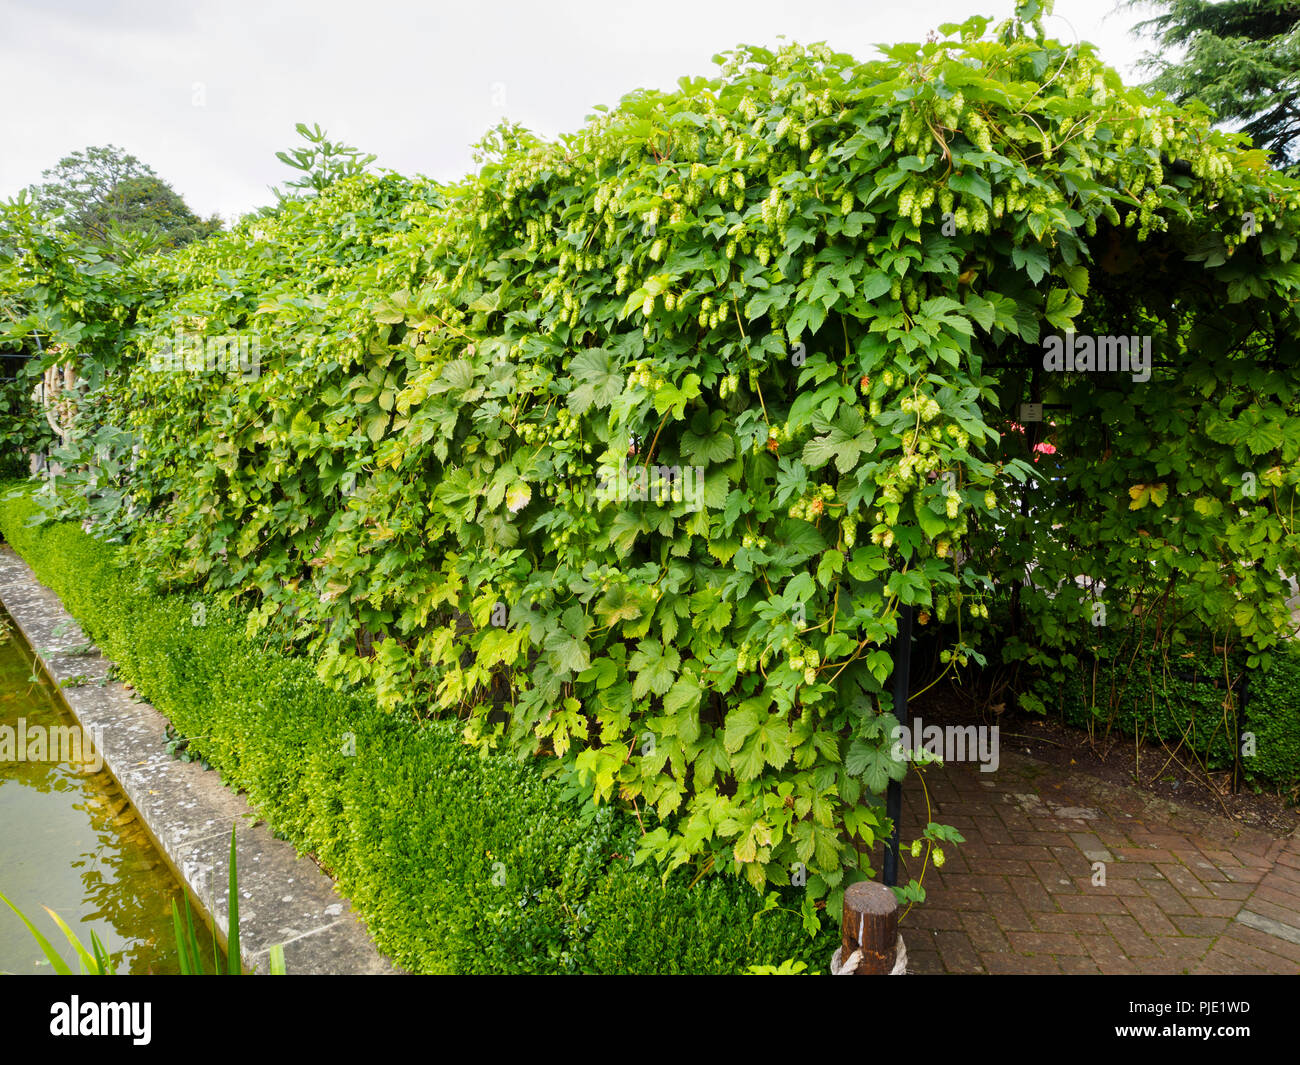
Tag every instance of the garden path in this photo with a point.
(1064, 873)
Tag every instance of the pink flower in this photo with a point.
(1042, 447)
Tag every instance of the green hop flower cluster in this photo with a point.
(911, 127)
(924, 406)
(710, 316)
(811, 508)
(566, 427)
(746, 660)
(643, 375)
(978, 132)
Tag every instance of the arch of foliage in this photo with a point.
(824, 282)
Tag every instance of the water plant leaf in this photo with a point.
(60, 966)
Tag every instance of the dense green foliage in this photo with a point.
(1240, 58)
(827, 285)
(66, 301)
(23, 431)
(98, 212)
(459, 863)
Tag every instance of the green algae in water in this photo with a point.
(70, 840)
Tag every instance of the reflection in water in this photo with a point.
(71, 841)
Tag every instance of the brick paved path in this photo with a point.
(1184, 891)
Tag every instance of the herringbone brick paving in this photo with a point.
(1063, 873)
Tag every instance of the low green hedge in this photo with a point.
(458, 863)
(1273, 715)
(1163, 707)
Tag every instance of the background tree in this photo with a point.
(145, 203)
(104, 192)
(1240, 58)
(81, 180)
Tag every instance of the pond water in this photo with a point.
(70, 840)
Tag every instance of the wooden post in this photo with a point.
(871, 925)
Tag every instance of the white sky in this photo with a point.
(206, 92)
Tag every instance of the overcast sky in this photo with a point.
(206, 92)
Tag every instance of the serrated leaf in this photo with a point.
(599, 381)
(618, 604)
(741, 723)
(683, 703)
(655, 667)
(842, 444)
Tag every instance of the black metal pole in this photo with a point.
(1237, 773)
(902, 686)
